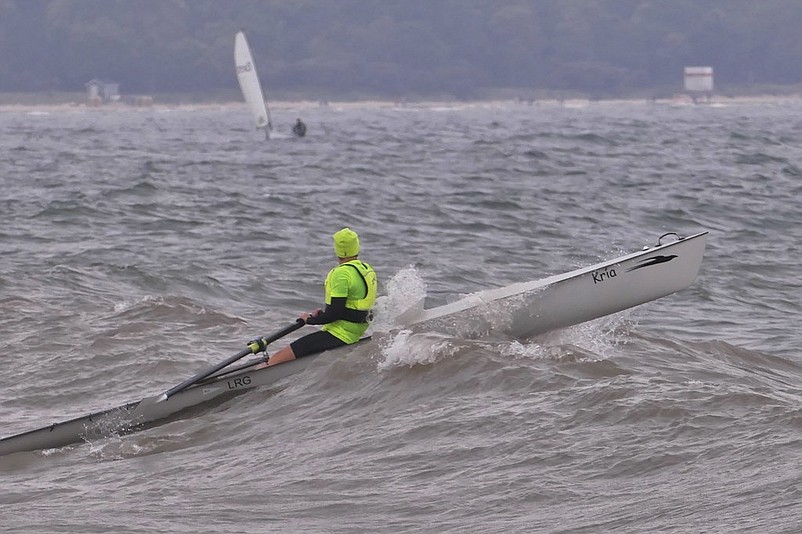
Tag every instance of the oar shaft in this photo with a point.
(203, 374)
(241, 354)
(281, 333)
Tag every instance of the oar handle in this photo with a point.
(241, 354)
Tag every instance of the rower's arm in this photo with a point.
(333, 312)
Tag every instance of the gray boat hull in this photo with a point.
(519, 310)
(148, 412)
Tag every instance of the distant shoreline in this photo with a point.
(6, 105)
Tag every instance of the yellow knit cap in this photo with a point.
(346, 243)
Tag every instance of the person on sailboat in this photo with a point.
(300, 128)
(350, 292)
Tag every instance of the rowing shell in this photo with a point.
(521, 310)
(529, 309)
(143, 414)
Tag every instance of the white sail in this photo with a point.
(249, 83)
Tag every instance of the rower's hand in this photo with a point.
(305, 316)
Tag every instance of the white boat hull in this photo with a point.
(520, 310)
(533, 308)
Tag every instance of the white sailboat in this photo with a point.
(250, 85)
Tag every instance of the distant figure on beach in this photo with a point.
(299, 129)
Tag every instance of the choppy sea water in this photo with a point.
(138, 247)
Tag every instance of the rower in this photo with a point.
(350, 292)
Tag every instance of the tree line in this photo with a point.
(372, 48)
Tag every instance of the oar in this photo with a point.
(254, 347)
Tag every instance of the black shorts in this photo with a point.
(314, 343)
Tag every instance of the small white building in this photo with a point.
(98, 91)
(699, 80)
